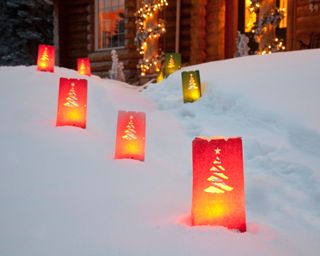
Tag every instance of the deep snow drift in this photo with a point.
(62, 193)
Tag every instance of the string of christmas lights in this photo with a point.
(261, 25)
(276, 45)
(147, 11)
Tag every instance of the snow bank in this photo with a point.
(61, 192)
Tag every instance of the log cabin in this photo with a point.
(201, 30)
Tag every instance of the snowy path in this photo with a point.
(61, 192)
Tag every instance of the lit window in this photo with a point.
(110, 23)
(250, 17)
(284, 6)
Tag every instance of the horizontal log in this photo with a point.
(303, 11)
(79, 10)
(130, 25)
(106, 66)
(302, 2)
(307, 20)
(212, 49)
(76, 53)
(185, 23)
(100, 74)
(184, 44)
(77, 37)
(71, 45)
(77, 3)
(130, 34)
(100, 66)
(213, 58)
(90, 47)
(199, 11)
(130, 4)
(185, 33)
(78, 29)
(170, 16)
(185, 10)
(106, 55)
(131, 13)
(77, 20)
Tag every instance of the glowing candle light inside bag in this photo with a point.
(130, 140)
(72, 102)
(46, 58)
(172, 63)
(83, 65)
(191, 86)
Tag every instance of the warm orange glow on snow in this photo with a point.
(72, 102)
(218, 183)
(83, 65)
(46, 58)
(130, 140)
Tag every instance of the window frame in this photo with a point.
(96, 30)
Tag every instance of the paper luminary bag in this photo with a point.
(218, 183)
(191, 86)
(131, 132)
(72, 102)
(83, 65)
(172, 63)
(46, 58)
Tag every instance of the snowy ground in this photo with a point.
(62, 193)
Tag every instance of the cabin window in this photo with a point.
(110, 23)
(250, 17)
(281, 30)
(283, 4)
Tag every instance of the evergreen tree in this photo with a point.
(24, 24)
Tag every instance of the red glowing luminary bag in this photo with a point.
(72, 102)
(131, 132)
(46, 58)
(218, 183)
(83, 65)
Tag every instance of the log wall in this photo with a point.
(75, 26)
(168, 40)
(101, 59)
(198, 31)
(207, 32)
(303, 26)
(185, 31)
(215, 30)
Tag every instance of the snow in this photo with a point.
(62, 193)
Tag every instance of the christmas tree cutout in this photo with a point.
(171, 62)
(71, 100)
(218, 178)
(45, 56)
(192, 83)
(130, 132)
